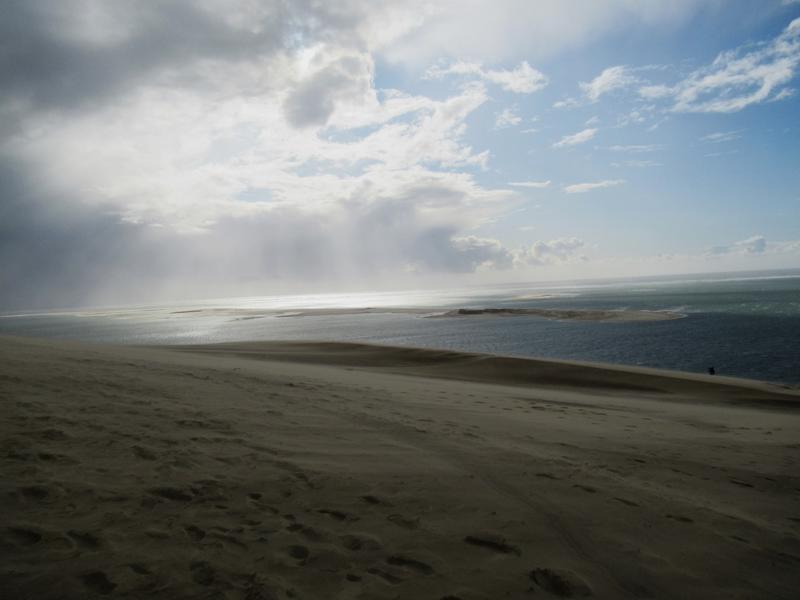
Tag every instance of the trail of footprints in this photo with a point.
(331, 545)
(302, 544)
(318, 547)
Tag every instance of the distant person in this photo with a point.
(712, 371)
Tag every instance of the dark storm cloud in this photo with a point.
(66, 247)
(313, 101)
(44, 65)
(53, 254)
(61, 252)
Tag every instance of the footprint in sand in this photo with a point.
(411, 564)
(298, 552)
(23, 536)
(404, 522)
(56, 458)
(385, 575)
(202, 572)
(586, 488)
(307, 532)
(171, 493)
(98, 582)
(140, 569)
(338, 514)
(740, 539)
(50, 434)
(85, 540)
(143, 453)
(370, 499)
(194, 532)
(741, 483)
(562, 583)
(35, 492)
(680, 518)
(361, 542)
(493, 542)
(627, 502)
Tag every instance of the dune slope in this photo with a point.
(297, 470)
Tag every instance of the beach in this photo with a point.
(278, 470)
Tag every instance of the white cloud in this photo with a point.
(505, 29)
(756, 244)
(530, 184)
(522, 80)
(580, 188)
(121, 157)
(636, 148)
(507, 118)
(290, 164)
(654, 92)
(633, 117)
(636, 163)
(784, 93)
(737, 78)
(482, 253)
(553, 251)
(566, 103)
(592, 121)
(576, 138)
(612, 78)
(721, 136)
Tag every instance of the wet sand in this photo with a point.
(303, 470)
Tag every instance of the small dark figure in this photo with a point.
(712, 371)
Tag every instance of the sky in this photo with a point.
(204, 148)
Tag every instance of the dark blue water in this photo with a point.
(743, 327)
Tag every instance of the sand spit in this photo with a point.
(566, 314)
(301, 470)
(433, 312)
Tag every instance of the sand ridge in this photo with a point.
(348, 471)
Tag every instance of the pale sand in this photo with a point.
(345, 471)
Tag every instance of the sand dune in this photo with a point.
(296, 470)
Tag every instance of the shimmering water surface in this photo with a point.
(745, 325)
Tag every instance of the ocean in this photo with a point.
(742, 324)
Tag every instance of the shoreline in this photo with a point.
(480, 367)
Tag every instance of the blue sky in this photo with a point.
(691, 180)
(221, 147)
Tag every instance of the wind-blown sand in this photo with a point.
(300, 470)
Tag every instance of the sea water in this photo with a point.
(745, 324)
